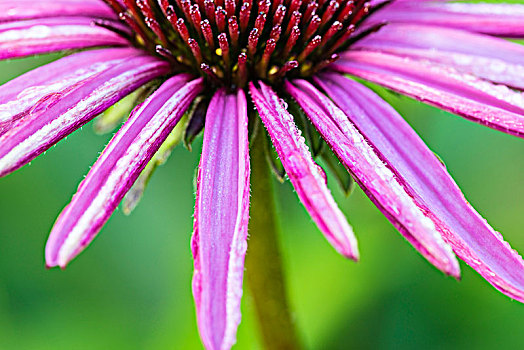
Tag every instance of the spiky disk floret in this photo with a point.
(232, 42)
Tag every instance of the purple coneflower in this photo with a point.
(223, 66)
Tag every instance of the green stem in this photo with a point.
(264, 271)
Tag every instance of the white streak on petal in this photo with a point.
(50, 130)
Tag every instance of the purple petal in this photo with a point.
(15, 10)
(25, 38)
(221, 220)
(496, 19)
(117, 168)
(375, 178)
(305, 175)
(55, 119)
(487, 57)
(47, 84)
(492, 105)
(472, 239)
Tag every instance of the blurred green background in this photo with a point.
(131, 288)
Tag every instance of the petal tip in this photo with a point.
(454, 271)
(351, 252)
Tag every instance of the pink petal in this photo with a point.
(117, 168)
(303, 172)
(487, 57)
(492, 105)
(496, 19)
(55, 117)
(375, 178)
(471, 237)
(221, 220)
(25, 38)
(45, 85)
(14, 10)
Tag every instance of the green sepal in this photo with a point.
(112, 117)
(343, 177)
(273, 160)
(134, 195)
(313, 138)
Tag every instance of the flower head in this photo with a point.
(219, 58)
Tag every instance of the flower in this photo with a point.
(223, 57)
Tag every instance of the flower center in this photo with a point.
(232, 42)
